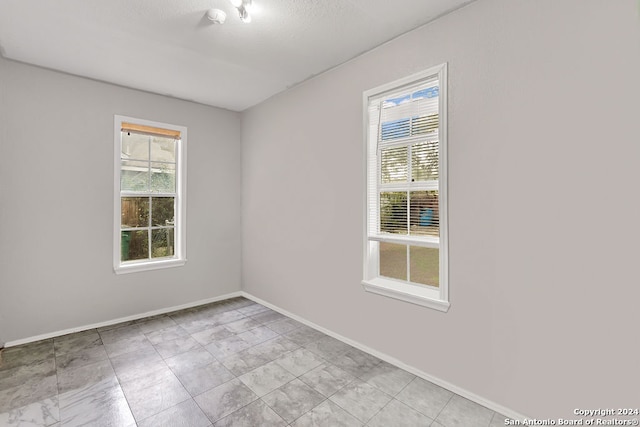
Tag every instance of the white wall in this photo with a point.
(56, 203)
(544, 206)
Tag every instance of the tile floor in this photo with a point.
(231, 363)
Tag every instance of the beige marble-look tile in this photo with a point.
(99, 405)
(327, 414)
(304, 335)
(226, 347)
(22, 374)
(387, 378)
(153, 393)
(110, 336)
(237, 302)
(77, 378)
(355, 361)
(76, 342)
(221, 401)
(136, 364)
(242, 325)
(461, 412)
(267, 317)
(257, 335)
(244, 361)
(80, 358)
(26, 354)
(115, 326)
(209, 335)
(253, 309)
(361, 400)
(203, 378)
(252, 415)
(293, 400)
(327, 379)
(398, 414)
(284, 326)
(328, 347)
(197, 323)
(266, 378)
(166, 334)
(155, 324)
(185, 414)
(299, 361)
(273, 348)
(190, 360)
(425, 397)
(32, 390)
(171, 348)
(222, 316)
(42, 413)
(183, 316)
(131, 344)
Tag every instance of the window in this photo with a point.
(149, 214)
(405, 247)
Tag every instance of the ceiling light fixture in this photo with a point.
(216, 16)
(243, 7)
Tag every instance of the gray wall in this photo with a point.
(544, 207)
(56, 203)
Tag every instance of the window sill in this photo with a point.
(419, 295)
(148, 266)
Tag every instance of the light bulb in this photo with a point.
(244, 15)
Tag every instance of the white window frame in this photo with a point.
(180, 251)
(436, 298)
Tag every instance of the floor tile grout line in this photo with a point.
(442, 409)
(55, 367)
(297, 377)
(209, 312)
(121, 389)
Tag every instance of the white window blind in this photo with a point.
(404, 164)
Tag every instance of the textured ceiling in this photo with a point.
(169, 47)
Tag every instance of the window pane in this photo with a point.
(163, 149)
(163, 177)
(162, 242)
(134, 245)
(424, 124)
(396, 129)
(393, 212)
(393, 102)
(135, 212)
(394, 164)
(162, 211)
(135, 146)
(425, 219)
(393, 260)
(424, 161)
(134, 176)
(429, 92)
(424, 265)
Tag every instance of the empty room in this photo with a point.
(319, 213)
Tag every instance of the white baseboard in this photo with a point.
(122, 319)
(444, 384)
